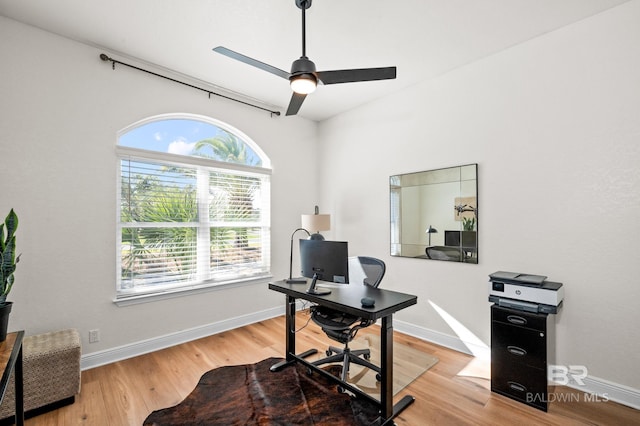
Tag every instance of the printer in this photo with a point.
(526, 292)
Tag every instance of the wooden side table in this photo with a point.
(11, 361)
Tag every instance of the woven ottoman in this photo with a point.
(51, 365)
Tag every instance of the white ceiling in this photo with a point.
(423, 38)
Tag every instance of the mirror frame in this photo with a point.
(446, 202)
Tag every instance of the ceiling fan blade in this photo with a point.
(253, 62)
(295, 103)
(355, 75)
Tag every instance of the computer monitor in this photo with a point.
(326, 261)
(464, 239)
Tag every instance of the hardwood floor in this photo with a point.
(125, 392)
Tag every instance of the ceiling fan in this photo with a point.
(303, 76)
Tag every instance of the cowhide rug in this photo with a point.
(252, 395)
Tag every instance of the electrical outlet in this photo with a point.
(94, 336)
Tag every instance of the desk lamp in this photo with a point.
(295, 280)
(317, 222)
(431, 230)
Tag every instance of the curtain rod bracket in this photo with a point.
(106, 58)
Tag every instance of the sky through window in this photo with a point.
(176, 136)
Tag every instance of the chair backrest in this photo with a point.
(445, 253)
(366, 270)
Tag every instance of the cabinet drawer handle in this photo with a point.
(515, 319)
(517, 387)
(516, 350)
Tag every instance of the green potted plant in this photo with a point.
(8, 261)
(468, 223)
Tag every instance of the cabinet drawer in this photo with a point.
(519, 318)
(527, 385)
(518, 345)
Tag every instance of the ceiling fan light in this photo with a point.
(304, 84)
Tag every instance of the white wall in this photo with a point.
(554, 125)
(60, 110)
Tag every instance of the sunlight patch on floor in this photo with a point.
(480, 366)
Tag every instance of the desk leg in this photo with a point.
(290, 321)
(19, 388)
(386, 367)
(388, 410)
(290, 324)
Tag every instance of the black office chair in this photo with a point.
(454, 254)
(340, 326)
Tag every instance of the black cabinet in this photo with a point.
(521, 350)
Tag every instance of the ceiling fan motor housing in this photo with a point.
(303, 66)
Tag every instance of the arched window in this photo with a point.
(193, 206)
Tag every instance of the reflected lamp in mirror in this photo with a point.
(445, 200)
(431, 230)
(315, 223)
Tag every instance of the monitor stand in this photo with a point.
(296, 281)
(314, 291)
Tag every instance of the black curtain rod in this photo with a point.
(209, 92)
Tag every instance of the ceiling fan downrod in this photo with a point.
(304, 5)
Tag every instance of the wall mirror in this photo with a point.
(434, 214)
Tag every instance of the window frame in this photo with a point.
(138, 154)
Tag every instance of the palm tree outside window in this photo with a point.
(194, 206)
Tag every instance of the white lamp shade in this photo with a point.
(316, 222)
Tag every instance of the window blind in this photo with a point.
(187, 225)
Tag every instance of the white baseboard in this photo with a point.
(96, 359)
(441, 339)
(592, 385)
(604, 389)
(609, 391)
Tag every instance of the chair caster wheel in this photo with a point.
(367, 356)
(329, 353)
(341, 389)
(378, 377)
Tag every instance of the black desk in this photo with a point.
(347, 299)
(11, 359)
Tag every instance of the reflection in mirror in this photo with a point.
(434, 214)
